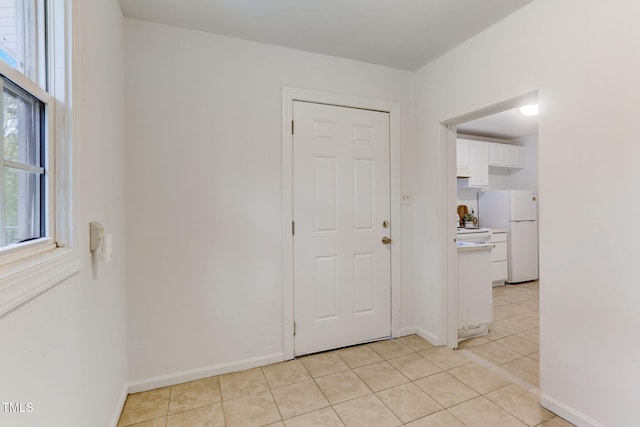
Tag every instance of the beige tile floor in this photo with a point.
(401, 382)
(513, 340)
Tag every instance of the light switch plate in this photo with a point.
(96, 234)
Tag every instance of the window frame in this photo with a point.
(29, 268)
(37, 92)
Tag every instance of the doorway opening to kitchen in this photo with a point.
(492, 295)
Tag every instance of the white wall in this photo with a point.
(203, 196)
(582, 58)
(65, 351)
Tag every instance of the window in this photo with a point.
(22, 35)
(35, 115)
(24, 173)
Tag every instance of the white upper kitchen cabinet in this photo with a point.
(463, 157)
(478, 163)
(506, 155)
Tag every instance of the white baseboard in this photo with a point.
(199, 373)
(569, 414)
(433, 339)
(404, 332)
(120, 406)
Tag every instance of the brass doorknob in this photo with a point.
(386, 240)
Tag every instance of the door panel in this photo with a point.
(363, 283)
(363, 194)
(326, 288)
(326, 193)
(342, 284)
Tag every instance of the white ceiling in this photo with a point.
(509, 124)
(405, 34)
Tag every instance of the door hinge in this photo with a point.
(294, 328)
(292, 127)
(293, 228)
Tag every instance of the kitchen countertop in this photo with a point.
(498, 230)
(464, 230)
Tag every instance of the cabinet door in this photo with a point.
(499, 252)
(514, 156)
(463, 158)
(496, 154)
(506, 155)
(479, 151)
(499, 271)
(498, 237)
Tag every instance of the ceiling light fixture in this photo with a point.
(529, 110)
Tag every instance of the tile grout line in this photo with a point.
(468, 353)
(375, 393)
(443, 408)
(367, 385)
(274, 400)
(410, 382)
(495, 368)
(508, 376)
(321, 391)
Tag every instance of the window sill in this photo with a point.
(23, 280)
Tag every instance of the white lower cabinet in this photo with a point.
(475, 297)
(499, 257)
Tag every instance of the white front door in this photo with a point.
(341, 211)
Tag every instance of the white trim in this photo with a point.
(50, 169)
(395, 166)
(30, 277)
(433, 339)
(120, 406)
(205, 372)
(406, 331)
(62, 57)
(24, 167)
(17, 251)
(450, 295)
(569, 414)
(24, 82)
(449, 193)
(393, 108)
(41, 38)
(2, 171)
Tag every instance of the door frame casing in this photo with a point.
(448, 137)
(289, 95)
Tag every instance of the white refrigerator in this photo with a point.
(517, 212)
